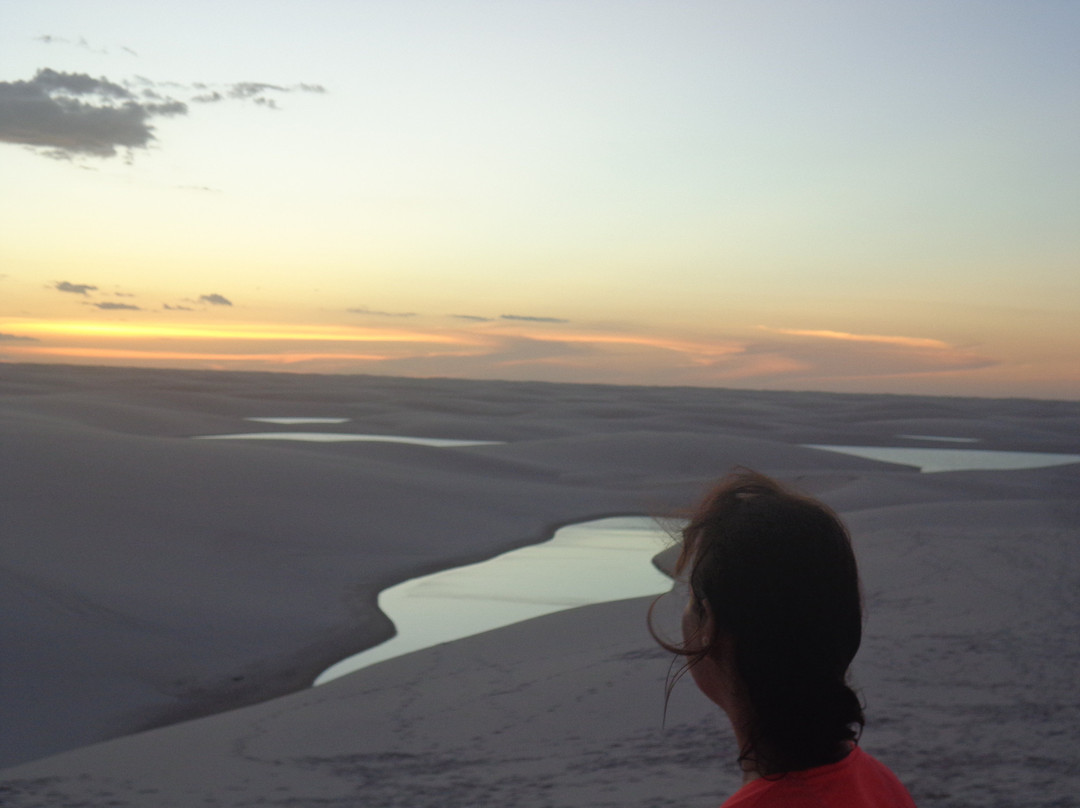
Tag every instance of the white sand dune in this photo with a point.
(149, 579)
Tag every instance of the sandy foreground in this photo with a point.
(166, 601)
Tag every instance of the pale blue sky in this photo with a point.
(758, 177)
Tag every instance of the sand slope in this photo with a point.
(148, 578)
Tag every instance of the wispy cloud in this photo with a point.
(695, 351)
(530, 319)
(376, 313)
(256, 92)
(109, 305)
(473, 318)
(17, 338)
(840, 357)
(81, 42)
(907, 342)
(215, 300)
(74, 288)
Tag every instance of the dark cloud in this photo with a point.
(366, 310)
(176, 308)
(109, 305)
(215, 300)
(17, 338)
(74, 113)
(71, 114)
(74, 288)
(473, 318)
(78, 84)
(528, 319)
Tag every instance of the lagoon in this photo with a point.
(346, 437)
(931, 461)
(300, 420)
(941, 438)
(589, 562)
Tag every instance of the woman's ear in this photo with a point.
(714, 672)
(698, 625)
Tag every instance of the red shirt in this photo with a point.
(857, 781)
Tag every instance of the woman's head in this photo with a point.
(774, 603)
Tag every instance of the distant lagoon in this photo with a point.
(931, 461)
(589, 562)
(303, 420)
(345, 437)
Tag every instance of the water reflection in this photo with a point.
(590, 562)
(292, 421)
(941, 438)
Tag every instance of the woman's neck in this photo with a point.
(733, 708)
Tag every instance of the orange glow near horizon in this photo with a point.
(704, 349)
(81, 328)
(794, 357)
(186, 356)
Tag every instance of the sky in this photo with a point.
(839, 196)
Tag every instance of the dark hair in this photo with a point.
(776, 573)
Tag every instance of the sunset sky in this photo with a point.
(852, 196)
